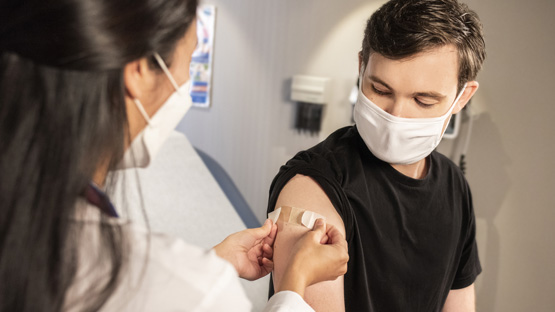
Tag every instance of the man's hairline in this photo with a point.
(413, 55)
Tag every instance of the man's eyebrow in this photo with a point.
(430, 94)
(378, 80)
(427, 94)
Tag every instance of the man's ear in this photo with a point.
(137, 77)
(468, 92)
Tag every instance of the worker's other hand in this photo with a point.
(320, 255)
(250, 251)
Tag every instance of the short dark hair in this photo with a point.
(401, 28)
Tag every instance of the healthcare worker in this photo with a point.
(87, 86)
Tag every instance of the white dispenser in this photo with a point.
(310, 89)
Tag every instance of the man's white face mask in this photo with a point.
(147, 143)
(397, 140)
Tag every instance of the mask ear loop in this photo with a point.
(456, 100)
(453, 107)
(166, 70)
(142, 110)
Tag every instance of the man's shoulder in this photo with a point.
(446, 170)
(340, 143)
(324, 162)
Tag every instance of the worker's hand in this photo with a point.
(320, 255)
(250, 251)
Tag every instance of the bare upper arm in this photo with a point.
(303, 192)
(460, 300)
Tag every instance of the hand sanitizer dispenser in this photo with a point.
(310, 89)
(311, 94)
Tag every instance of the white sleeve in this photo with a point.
(162, 274)
(287, 301)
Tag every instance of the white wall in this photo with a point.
(260, 45)
(511, 159)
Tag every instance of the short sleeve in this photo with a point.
(469, 264)
(325, 173)
(324, 170)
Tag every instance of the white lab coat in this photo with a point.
(164, 274)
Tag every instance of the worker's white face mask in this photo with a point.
(146, 145)
(397, 140)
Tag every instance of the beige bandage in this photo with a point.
(295, 216)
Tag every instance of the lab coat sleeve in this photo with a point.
(287, 301)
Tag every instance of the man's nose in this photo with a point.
(396, 108)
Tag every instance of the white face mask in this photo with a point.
(397, 140)
(146, 145)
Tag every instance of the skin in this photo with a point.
(152, 87)
(319, 255)
(395, 86)
(461, 300)
(303, 192)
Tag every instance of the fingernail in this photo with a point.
(319, 222)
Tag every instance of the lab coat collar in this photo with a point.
(96, 197)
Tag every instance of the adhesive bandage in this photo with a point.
(295, 216)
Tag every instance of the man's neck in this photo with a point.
(418, 170)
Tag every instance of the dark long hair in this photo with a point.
(62, 113)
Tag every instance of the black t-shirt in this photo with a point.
(410, 241)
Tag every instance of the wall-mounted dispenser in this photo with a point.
(311, 94)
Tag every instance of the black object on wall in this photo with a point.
(309, 117)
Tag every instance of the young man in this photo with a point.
(405, 209)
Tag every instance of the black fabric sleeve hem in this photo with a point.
(332, 190)
(466, 281)
(330, 187)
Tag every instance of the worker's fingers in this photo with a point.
(270, 239)
(268, 251)
(258, 250)
(335, 237)
(263, 231)
(325, 239)
(267, 265)
(319, 228)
